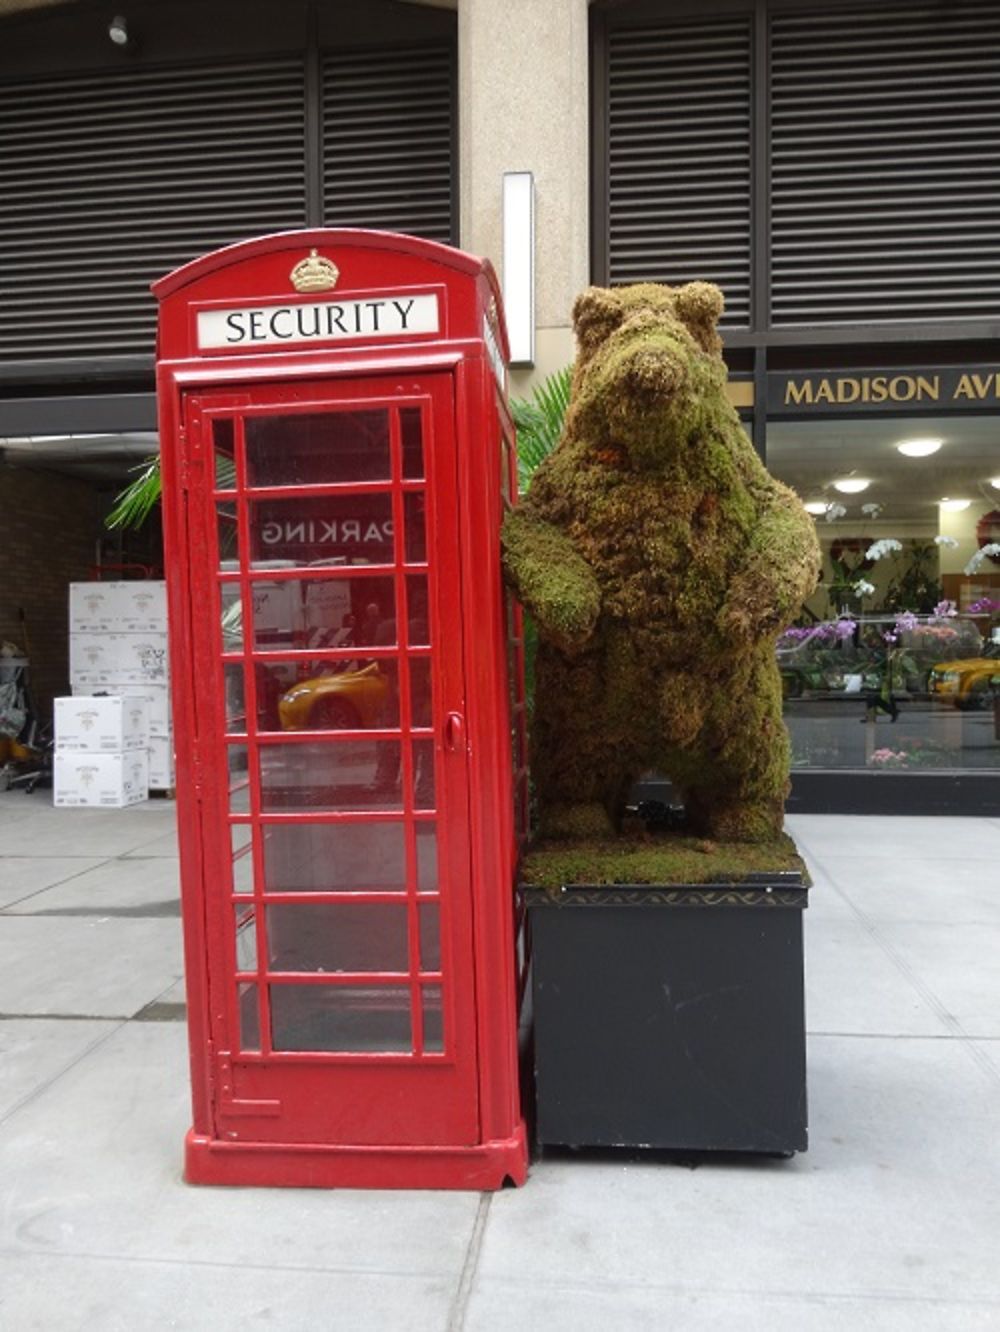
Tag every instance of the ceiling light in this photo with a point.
(118, 31)
(919, 448)
(954, 505)
(851, 485)
(995, 482)
(816, 507)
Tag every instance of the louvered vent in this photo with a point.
(885, 159)
(387, 140)
(679, 157)
(109, 181)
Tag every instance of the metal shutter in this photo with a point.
(885, 154)
(108, 181)
(388, 118)
(679, 145)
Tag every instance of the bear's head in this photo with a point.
(648, 359)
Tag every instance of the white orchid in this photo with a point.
(981, 556)
(887, 546)
(863, 588)
(949, 542)
(834, 511)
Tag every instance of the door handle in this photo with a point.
(454, 732)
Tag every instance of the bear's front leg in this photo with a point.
(779, 569)
(555, 585)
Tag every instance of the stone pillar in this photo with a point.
(523, 99)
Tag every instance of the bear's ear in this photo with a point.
(699, 306)
(597, 312)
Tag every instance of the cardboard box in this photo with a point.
(158, 706)
(93, 607)
(91, 725)
(161, 763)
(108, 659)
(143, 607)
(105, 781)
(119, 607)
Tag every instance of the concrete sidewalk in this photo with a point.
(890, 1221)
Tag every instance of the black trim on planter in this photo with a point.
(857, 792)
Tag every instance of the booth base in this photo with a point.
(485, 1166)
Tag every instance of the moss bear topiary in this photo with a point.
(660, 562)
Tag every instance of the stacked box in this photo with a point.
(102, 751)
(118, 647)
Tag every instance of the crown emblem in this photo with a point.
(314, 274)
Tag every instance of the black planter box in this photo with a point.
(670, 1016)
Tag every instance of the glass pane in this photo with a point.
(231, 618)
(350, 775)
(338, 936)
(341, 1017)
(223, 441)
(324, 613)
(433, 1020)
(334, 529)
(430, 936)
(423, 774)
(418, 627)
(351, 695)
(414, 508)
(246, 938)
(240, 835)
(902, 633)
(272, 682)
(420, 691)
(427, 861)
(249, 1017)
(303, 449)
(227, 535)
(239, 780)
(243, 871)
(413, 444)
(335, 857)
(236, 708)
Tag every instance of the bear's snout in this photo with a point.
(653, 373)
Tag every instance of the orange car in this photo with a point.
(345, 700)
(969, 683)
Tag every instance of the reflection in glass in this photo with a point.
(227, 535)
(231, 617)
(413, 447)
(243, 871)
(351, 695)
(433, 1020)
(423, 774)
(236, 708)
(427, 862)
(239, 780)
(271, 683)
(321, 448)
(332, 529)
(341, 1017)
(347, 775)
(246, 937)
(224, 445)
(240, 835)
(430, 936)
(337, 857)
(414, 511)
(895, 661)
(338, 936)
(249, 1016)
(335, 612)
(418, 624)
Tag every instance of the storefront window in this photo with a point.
(895, 662)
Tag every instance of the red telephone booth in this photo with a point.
(337, 454)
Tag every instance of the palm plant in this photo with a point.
(539, 421)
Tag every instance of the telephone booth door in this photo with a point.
(330, 756)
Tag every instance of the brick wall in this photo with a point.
(49, 528)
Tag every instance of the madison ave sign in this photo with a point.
(931, 389)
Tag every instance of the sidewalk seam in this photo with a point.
(463, 1291)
